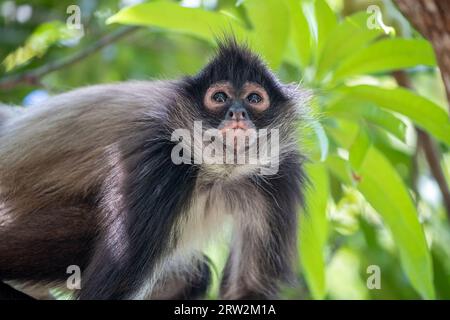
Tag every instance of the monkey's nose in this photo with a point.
(236, 114)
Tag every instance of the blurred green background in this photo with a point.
(376, 226)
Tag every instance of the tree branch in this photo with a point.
(430, 149)
(33, 76)
(431, 19)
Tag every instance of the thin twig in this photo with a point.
(33, 76)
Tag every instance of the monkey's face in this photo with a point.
(238, 110)
(236, 106)
(242, 107)
(236, 92)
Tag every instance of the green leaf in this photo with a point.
(387, 55)
(314, 230)
(423, 112)
(168, 15)
(353, 32)
(326, 22)
(300, 32)
(349, 107)
(270, 32)
(322, 139)
(342, 131)
(384, 189)
(42, 38)
(344, 275)
(208, 25)
(340, 169)
(359, 148)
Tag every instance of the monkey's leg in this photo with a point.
(264, 249)
(187, 284)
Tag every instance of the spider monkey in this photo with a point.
(87, 178)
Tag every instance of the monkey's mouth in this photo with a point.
(235, 125)
(232, 131)
(238, 135)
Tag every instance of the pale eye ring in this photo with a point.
(254, 98)
(219, 97)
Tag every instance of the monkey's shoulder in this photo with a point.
(116, 97)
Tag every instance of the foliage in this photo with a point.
(38, 43)
(364, 206)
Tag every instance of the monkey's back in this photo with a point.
(54, 162)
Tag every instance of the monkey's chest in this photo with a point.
(215, 209)
(207, 219)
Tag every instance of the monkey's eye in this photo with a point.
(220, 97)
(254, 98)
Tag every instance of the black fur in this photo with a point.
(156, 191)
(236, 63)
(196, 283)
(199, 283)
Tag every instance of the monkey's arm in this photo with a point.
(153, 195)
(264, 251)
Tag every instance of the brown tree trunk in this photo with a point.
(432, 19)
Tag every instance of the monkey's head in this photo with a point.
(236, 93)
(236, 90)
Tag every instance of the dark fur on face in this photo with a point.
(236, 64)
(87, 179)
